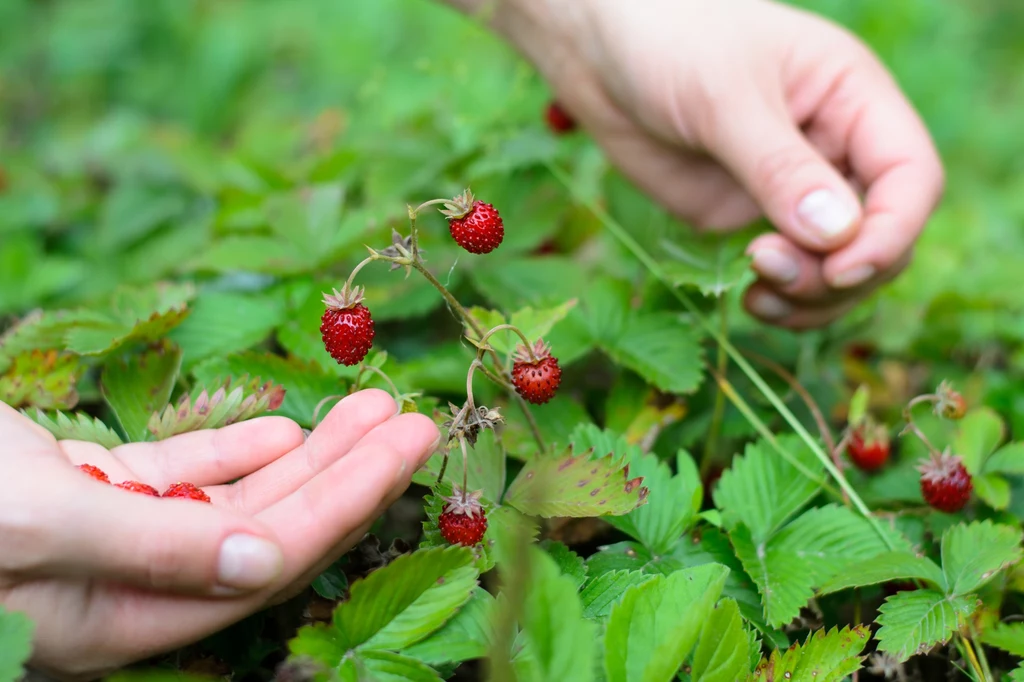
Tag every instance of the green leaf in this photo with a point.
(978, 434)
(535, 324)
(859, 405)
(76, 426)
(43, 379)
(487, 467)
(41, 331)
(569, 562)
(517, 282)
(575, 486)
(993, 489)
(394, 606)
(722, 654)
(915, 621)
(251, 253)
(225, 323)
(134, 314)
(762, 490)
(305, 382)
(463, 638)
(384, 666)
(883, 568)
(823, 657)
(600, 594)
(16, 631)
(973, 553)
(713, 263)
(1008, 459)
(1017, 675)
(652, 630)
(137, 386)
(662, 349)
(213, 406)
(1006, 636)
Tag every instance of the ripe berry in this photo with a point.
(463, 521)
(869, 447)
(558, 119)
(186, 491)
(474, 225)
(346, 327)
(136, 487)
(536, 380)
(945, 483)
(95, 472)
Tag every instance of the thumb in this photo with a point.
(154, 543)
(800, 192)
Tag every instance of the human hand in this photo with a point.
(723, 111)
(110, 577)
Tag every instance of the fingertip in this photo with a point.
(826, 217)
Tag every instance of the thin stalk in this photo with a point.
(355, 271)
(385, 377)
(711, 443)
(452, 302)
(465, 468)
(444, 466)
(513, 328)
(973, 659)
(652, 266)
(982, 658)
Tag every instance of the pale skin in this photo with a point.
(721, 111)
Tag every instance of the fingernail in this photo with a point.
(853, 276)
(248, 562)
(770, 307)
(825, 214)
(776, 265)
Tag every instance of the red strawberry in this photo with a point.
(536, 380)
(558, 119)
(945, 483)
(869, 447)
(474, 225)
(346, 327)
(463, 521)
(186, 491)
(136, 487)
(95, 472)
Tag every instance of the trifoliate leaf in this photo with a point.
(978, 435)
(575, 486)
(993, 489)
(898, 565)
(463, 638)
(43, 379)
(145, 315)
(535, 324)
(915, 621)
(213, 406)
(384, 666)
(973, 553)
(137, 386)
(1006, 636)
(823, 657)
(76, 426)
(662, 348)
(761, 490)
(224, 323)
(1008, 459)
(41, 331)
(654, 627)
(16, 632)
(601, 593)
(569, 562)
(722, 654)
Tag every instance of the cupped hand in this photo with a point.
(110, 576)
(724, 111)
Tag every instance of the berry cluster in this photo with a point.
(183, 490)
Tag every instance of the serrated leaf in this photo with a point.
(43, 379)
(16, 631)
(135, 314)
(722, 653)
(761, 490)
(384, 666)
(535, 324)
(40, 331)
(575, 486)
(463, 638)
(487, 467)
(978, 434)
(915, 621)
(1006, 636)
(224, 323)
(993, 489)
(601, 593)
(713, 263)
(883, 568)
(213, 406)
(662, 348)
(973, 553)
(77, 426)
(251, 253)
(569, 562)
(823, 657)
(137, 386)
(1008, 459)
(653, 629)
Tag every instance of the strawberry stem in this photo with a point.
(363, 367)
(513, 328)
(356, 269)
(465, 468)
(414, 212)
(316, 410)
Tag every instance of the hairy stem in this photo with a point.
(519, 333)
(378, 371)
(355, 271)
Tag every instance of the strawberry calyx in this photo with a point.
(346, 297)
(940, 466)
(464, 503)
(459, 206)
(533, 355)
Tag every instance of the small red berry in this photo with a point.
(558, 119)
(945, 483)
(462, 521)
(186, 491)
(474, 225)
(869, 447)
(346, 327)
(136, 487)
(537, 379)
(95, 472)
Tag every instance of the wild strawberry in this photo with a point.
(950, 405)
(558, 119)
(945, 483)
(186, 491)
(346, 327)
(136, 487)
(95, 472)
(463, 521)
(474, 225)
(536, 380)
(869, 446)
